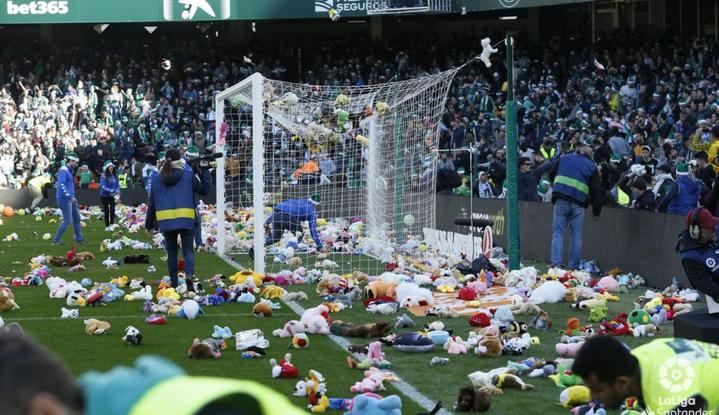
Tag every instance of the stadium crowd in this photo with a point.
(647, 108)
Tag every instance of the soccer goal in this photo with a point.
(350, 167)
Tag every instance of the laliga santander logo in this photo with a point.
(676, 375)
(508, 3)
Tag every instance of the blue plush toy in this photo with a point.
(373, 404)
(221, 332)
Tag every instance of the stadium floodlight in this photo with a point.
(375, 147)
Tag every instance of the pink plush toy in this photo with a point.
(455, 345)
(608, 283)
(372, 382)
(374, 352)
(568, 350)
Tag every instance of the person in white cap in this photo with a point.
(109, 192)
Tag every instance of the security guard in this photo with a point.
(576, 184)
(171, 209)
(547, 150)
(122, 177)
(152, 387)
(667, 376)
(699, 250)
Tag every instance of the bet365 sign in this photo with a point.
(38, 8)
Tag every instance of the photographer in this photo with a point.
(172, 209)
(192, 156)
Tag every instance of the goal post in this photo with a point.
(348, 168)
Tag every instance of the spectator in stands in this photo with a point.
(576, 185)
(704, 170)
(109, 193)
(485, 188)
(84, 176)
(642, 196)
(685, 193)
(663, 182)
(528, 179)
(444, 162)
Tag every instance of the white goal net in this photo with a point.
(347, 169)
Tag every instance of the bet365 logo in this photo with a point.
(188, 10)
(37, 8)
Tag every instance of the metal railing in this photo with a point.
(377, 7)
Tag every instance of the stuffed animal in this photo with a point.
(439, 361)
(375, 358)
(649, 330)
(300, 341)
(589, 304)
(70, 313)
(379, 288)
(373, 382)
(293, 296)
(290, 328)
(96, 327)
(373, 404)
(503, 315)
(638, 317)
(509, 380)
(403, 321)
(472, 400)
(617, 327)
(273, 292)
(455, 345)
(542, 321)
(284, 369)
(144, 294)
(568, 349)
(597, 314)
(487, 51)
(204, 349)
(132, 336)
(341, 328)
(7, 300)
(565, 378)
(221, 332)
(190, 309)
(608, 283)
(316, 320)
(412, 295)
(525, 308)
(262, 309)
(574, 396)
(489, 346)
(550, 292)
(383, 308)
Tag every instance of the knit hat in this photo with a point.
(192, 151)
(72, 156)
(315, 198)
(107, 164)
(682, 169)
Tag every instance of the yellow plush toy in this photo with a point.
(242, 276)
(446, 288)
(121, 282)
(607, 296)
(273, 292)
(575, 396)
(96, 327)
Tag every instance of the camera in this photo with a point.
(204, 161)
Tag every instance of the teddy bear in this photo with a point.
(262, 309)
(412, 295)
(525, 308)
(455, 345)
(96, 327)
(373, 404)
(489, 346)
(284, 369)
(472, 400)
(542, 321)
(510, 380)
(649, 330)
(294, 296)
(7, 300)
(346, 329)
(375, 358)
(144, 294)
(205, 349)
(316, 320)
(379, 288)
(132, 336)
(487, 51)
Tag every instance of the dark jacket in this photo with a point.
(171, 205)
(527, 182)
(701, 264)
(576, 179)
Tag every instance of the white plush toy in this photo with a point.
(110, 263)
(290, 328)
(487, 51)
(550, 292)
(314, 321)
(411, 295)
(481, 379)
(384, 308)
(144, 294)
(70, 313)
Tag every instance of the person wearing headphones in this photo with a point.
(699, 251)
(171, 209)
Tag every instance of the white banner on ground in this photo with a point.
(452, 243)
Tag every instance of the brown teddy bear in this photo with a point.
(7, 300)
(262, 309)
(295, 262)
(377, 289)
(204, 349)
(342, 328)
(472, 400)
(489, 346)
(96, 327)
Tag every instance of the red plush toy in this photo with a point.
(71, 254)
(480, 320)
(467, 294)
(616, 327)
(285, 369)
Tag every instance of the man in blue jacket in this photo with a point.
(66, 200)
(290, 214)
(576, 184)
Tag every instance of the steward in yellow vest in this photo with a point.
(666, 376)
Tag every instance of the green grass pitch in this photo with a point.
(39, 316)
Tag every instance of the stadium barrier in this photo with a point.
(635, 241)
